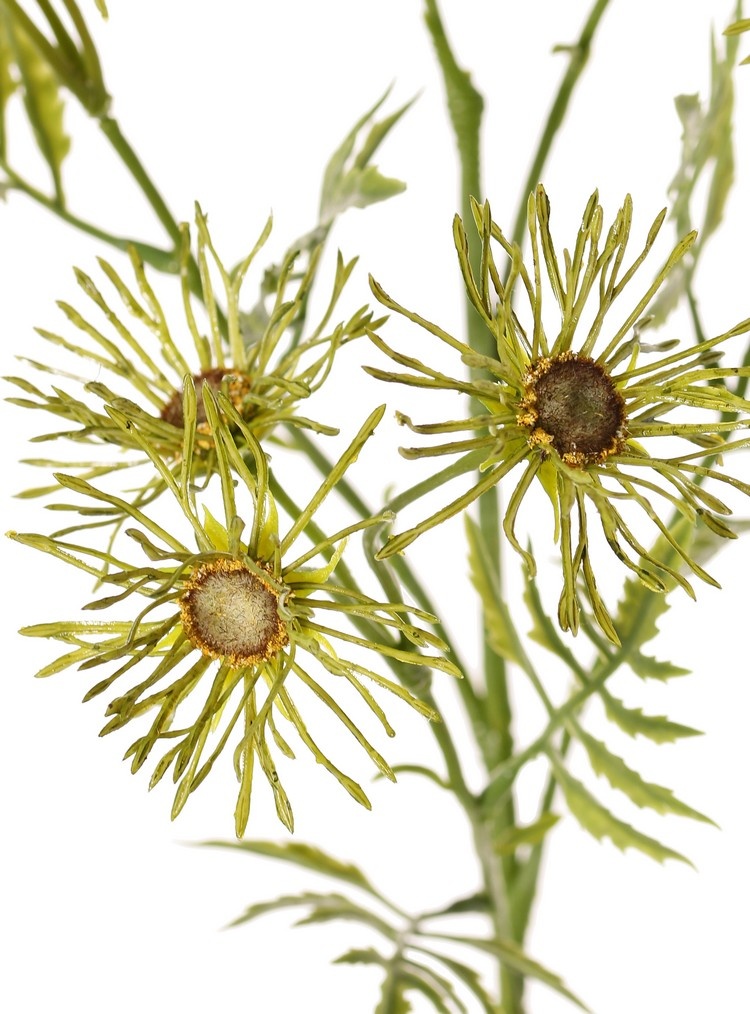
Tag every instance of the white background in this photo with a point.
(239, 106)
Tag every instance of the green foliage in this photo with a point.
(464, 102)
(220, 441)
(308, 856)
(640, 792)
(350, 181)
(513, 838)
(40, 89)
(737, 28)
(657, 728)
(601, 823)
(707, 148)
(499, 630)
(514, 958)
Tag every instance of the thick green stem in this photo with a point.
(465, 106)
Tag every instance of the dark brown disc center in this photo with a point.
(579, 408)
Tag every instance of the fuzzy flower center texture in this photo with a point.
(571, 404)
(230, 612)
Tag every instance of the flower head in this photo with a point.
(587, 410)
(240, 622)
(259, 359)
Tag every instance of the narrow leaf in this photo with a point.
(500, 631)
(349, 180)
(478, 902)
(468, 976)
(44, 107)
(511, 838)
(625, 779)
(634, 722)
(392, 997)
(465, 104)
(323, 908)
(648, 667)
(514, 958)
(308, 856)
(598, 821)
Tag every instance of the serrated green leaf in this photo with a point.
(638, 612)
(393, 991)
(514, 958)
(477, 902)
(308, 856)
(599, 822)
(44, 106)
(468, 976)
(544, 631)
(360, 188)
(648, 667)
(640, 608)
(393, 999)
(500, 631)
(361, 956)
(436, 988)
(634, 722)
(405, 974)
(625, 779)
(322, 908)
(512, 838)
(333, 907)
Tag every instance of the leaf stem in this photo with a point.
(162, 260)
(579, 55)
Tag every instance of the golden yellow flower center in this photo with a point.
(571, 405)
(238, 385)
(230, 612)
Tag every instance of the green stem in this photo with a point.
(122, 146)
(404, 572)
(525, 879)
(403, 672)
(579, 55)
(163, 260)
(465, 106)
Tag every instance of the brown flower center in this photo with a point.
(230, 612)
(238, 386)
(571, 404)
